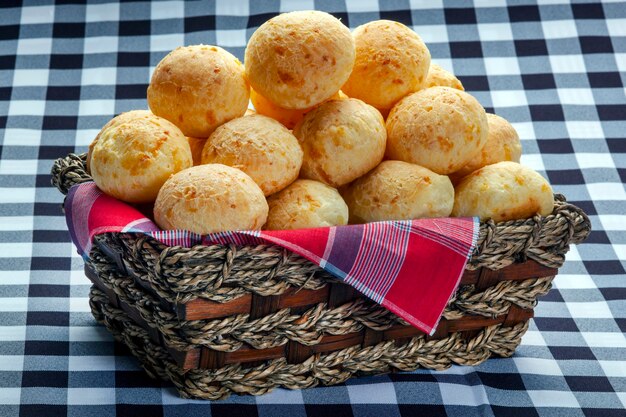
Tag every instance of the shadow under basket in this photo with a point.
(221, 319)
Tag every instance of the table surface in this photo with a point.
(557, 71)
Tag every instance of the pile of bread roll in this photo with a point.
(347, 128)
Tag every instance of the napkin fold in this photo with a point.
(410, 267)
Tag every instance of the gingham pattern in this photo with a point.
(556, 70)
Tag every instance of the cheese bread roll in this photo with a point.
(439, 128)
(259, 146)
(341, 140)
(397, 190)
(299, 59)
(305, 204)
(210, 198)
(391, 62)
(131, 160)
(503, 191)
(198, 88)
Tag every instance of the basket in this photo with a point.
(220, 319)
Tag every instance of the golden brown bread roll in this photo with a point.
(397, 190)
(198, 88)
(259, 146)
(503, 191)
(299, 59)
(341, 140)
(503, 144)
(117, 120)
(391, 62)
(439, 77)
(439, 128)
(210, 198)
(305, 204)
(131, 160)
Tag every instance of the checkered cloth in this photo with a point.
(557, 71)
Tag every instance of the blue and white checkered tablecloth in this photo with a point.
(556, 70)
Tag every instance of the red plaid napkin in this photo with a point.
(410, 267)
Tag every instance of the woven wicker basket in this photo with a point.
(220, 319)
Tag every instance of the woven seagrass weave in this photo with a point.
(219, 319)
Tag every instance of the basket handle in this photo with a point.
(69, 171)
